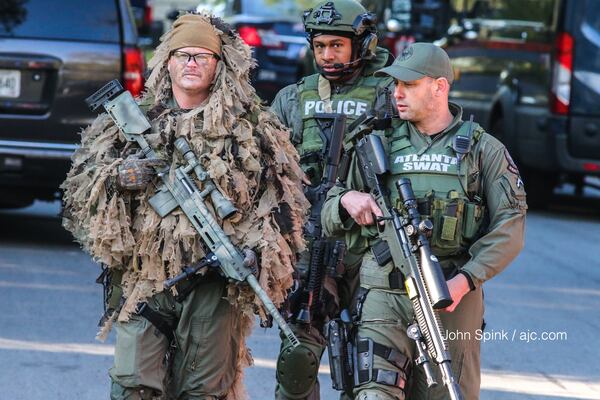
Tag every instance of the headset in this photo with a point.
(365, 25)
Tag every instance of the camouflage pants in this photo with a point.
(203, 362)
(385, 317)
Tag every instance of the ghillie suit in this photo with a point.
(247, 153)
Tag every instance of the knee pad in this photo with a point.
(297, 369)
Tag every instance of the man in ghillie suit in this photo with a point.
(198, 89)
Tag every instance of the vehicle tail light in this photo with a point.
(561, 75)
(147, 15)
(591, 167)
(249, 34)
(133, 71)
(256, 37)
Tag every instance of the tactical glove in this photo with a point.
(135, 173)
(251, 261)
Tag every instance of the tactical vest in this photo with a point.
(456, 215)
(361, 97)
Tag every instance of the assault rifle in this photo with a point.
(404, 241)
(182, 192)
(325, 255)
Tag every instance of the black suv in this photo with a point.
(53, 54)
(275, 32)
(530, 71)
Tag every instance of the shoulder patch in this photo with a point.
(512, 167)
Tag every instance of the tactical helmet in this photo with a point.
(339, 15)
(344, 17)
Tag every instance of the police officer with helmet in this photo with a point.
(343, 38)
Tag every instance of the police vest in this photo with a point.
(440, 188)
(361, 97)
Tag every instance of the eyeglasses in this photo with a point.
(200, 58)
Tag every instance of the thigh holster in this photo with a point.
(364, 371)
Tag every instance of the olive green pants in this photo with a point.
(204, 358)
(385, 317)
(305, 383)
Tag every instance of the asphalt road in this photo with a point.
(542, 315)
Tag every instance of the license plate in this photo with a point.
(10, 83)
(266, 75)
(9, 163)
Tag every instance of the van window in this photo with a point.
(516, 20)
(97, 21)
(592, 14)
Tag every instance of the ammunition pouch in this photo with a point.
(456, 222)
(381, 252)
(364, 372)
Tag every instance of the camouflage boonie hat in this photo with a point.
(418, 61)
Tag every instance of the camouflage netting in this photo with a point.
(247, 153)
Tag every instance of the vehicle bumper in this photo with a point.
(542, 142)
(32, 167)
(558, 130)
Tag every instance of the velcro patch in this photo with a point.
(512, 167)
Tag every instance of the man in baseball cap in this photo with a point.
(465, 183)
(423, 77)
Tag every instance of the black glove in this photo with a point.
(136, 173)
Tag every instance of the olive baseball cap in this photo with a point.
(418, 61)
